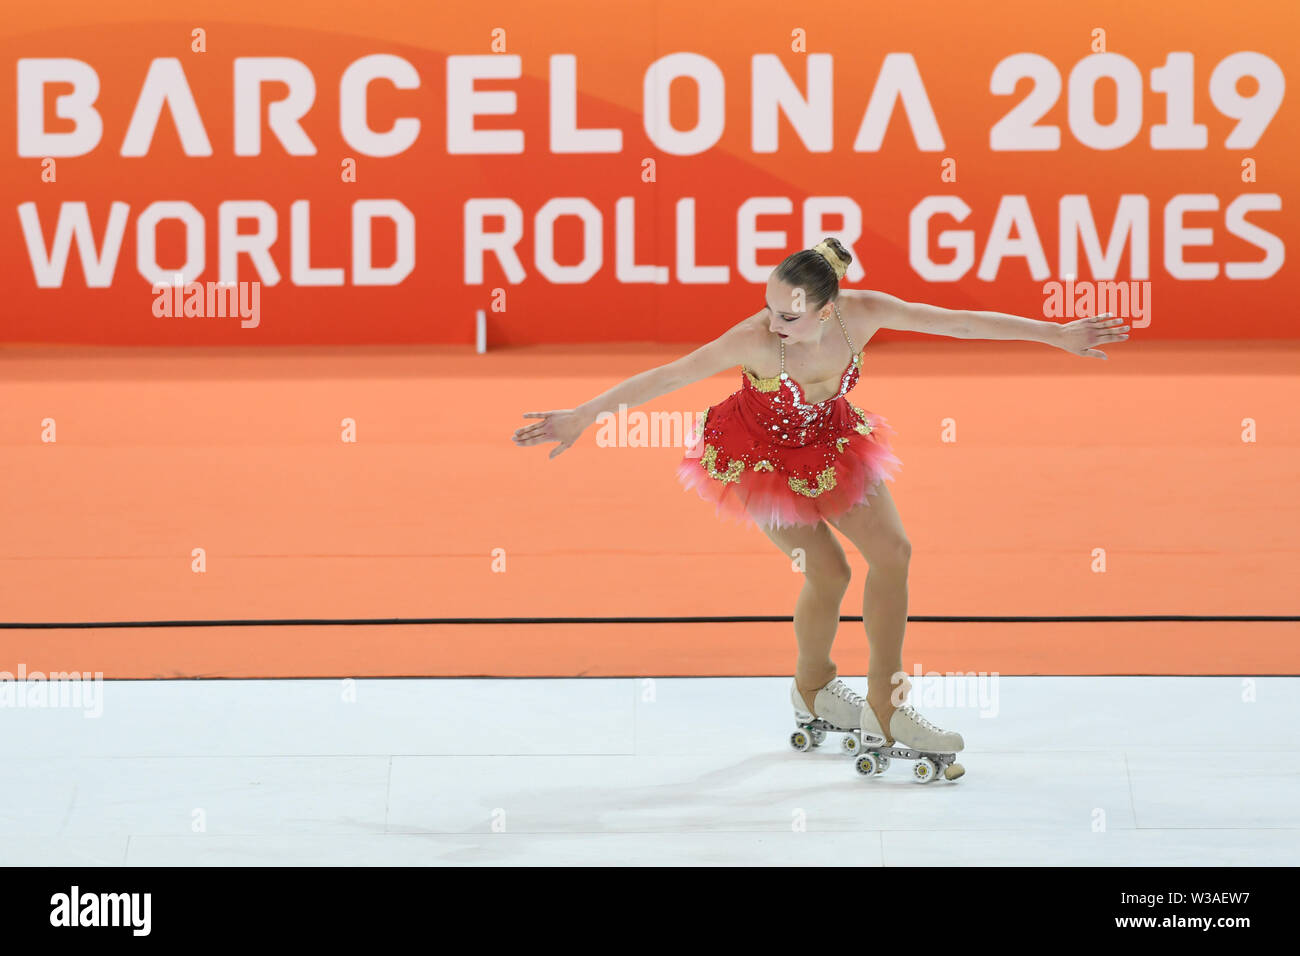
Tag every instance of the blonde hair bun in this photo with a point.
(834, 253)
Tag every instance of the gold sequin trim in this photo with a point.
(703, 419)
(709, 460)
(840, 443)
(863, 427)
(764, 465)
(825, 482)
(762, 384)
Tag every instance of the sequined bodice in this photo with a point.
(788, 390)
(778, 408)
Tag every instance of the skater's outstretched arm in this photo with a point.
(733, 347)
(1080, 337)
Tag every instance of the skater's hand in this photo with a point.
(1081, 335)
(563, 426)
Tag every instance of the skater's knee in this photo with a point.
(831, 573)
(892, 550)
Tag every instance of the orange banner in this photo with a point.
(258, 173)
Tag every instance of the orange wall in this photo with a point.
(955, 47)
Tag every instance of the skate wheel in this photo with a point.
(953, 771)
(883, 764)
(851, 744)
(867, 764)
(818, 736)
(924, 771)
(801, 740)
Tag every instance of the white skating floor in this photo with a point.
(465, 772)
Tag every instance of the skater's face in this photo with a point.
(790, 315)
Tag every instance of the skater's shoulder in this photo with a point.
(866, 309)
(752, 339)
(745, 340)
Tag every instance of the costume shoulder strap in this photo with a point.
(845, 330)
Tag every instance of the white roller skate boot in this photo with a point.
(910, 737)
(838, 710)
(910, 729)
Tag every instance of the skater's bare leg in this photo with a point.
(876, 530)
(817, 612)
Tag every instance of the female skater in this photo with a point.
(790, 454)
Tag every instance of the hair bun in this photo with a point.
(831, 250)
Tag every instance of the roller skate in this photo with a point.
(840, 712)
(933, 748)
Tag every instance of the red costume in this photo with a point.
(766, 457)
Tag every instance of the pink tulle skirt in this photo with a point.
(765, 497)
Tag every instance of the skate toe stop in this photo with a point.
(953, 771)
